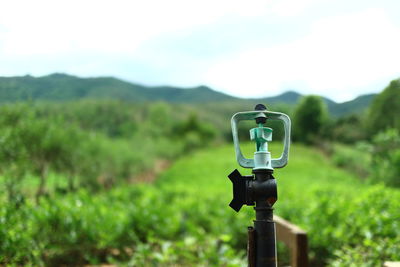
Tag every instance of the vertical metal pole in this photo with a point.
(251, 247)
(265, 237)
(264, 228)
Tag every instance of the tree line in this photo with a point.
(377, 129)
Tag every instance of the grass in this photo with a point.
(332, 204)
(308, 169)
(183, 219)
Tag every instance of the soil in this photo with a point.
(150, 175)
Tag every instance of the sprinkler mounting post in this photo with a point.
(260, 188)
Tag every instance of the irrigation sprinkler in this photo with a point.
(260, 188)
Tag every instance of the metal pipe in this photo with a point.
(264, 226)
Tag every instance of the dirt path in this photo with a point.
(150, 175)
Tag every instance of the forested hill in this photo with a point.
(63, 87)
(356, 105)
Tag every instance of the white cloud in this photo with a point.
(267, 47)
(340, 53)
(52, 27)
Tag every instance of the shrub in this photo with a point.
(386, 157)
(385, 109)
(310, 116)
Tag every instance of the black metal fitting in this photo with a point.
(259, 189)
(249, 189)
(241, 194)
(265, 187)
(260, 119)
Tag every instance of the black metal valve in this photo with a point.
(250, 188)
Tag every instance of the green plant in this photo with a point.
(310, 116)
(386, 157)
(355, 158)
(384, 110)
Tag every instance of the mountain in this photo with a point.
(356, 105)
(63, 87)
(289, 97)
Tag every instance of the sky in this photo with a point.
(339, 49)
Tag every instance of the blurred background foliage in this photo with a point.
(70, 172)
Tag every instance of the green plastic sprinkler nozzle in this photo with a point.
(261, 136)
(262, 157)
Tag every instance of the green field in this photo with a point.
(78, 185)
(342, 215)
(183, 219)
